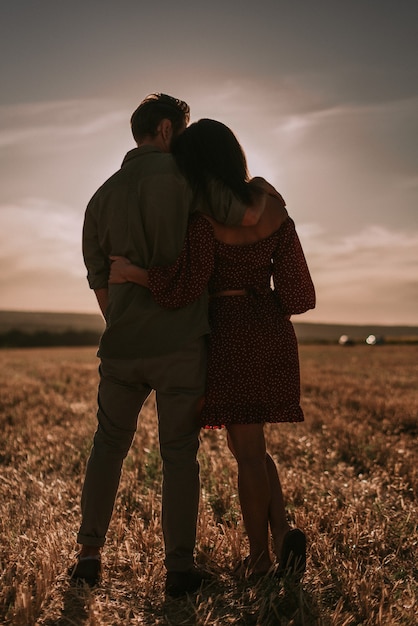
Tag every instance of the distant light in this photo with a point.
(373, 340)
(345, 340)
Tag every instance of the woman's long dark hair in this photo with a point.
(208, 150)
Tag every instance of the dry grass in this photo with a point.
(349, 473)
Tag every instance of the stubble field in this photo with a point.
(349, 474)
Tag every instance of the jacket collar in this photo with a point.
(136, 152)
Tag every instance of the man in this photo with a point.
(142, 212)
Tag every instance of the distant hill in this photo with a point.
(34, 328)
(31, 322)
(23, 329)
(330, 333)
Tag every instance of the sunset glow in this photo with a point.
(323, 97)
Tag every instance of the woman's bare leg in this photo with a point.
(277, 512)
(247, 444)
(277, 518)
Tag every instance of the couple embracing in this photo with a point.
(197, 270)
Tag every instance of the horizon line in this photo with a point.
(294, 318)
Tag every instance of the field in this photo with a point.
(349, 474)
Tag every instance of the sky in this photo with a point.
(322, 95)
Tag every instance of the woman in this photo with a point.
(253, 367)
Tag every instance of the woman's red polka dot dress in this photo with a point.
(253, 364)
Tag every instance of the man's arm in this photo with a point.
(102, 296)
(255, 210)
(225, 208)
(95, 260)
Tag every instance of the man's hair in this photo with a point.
(154, 108)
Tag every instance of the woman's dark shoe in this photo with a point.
(293, 555)
(86, 570)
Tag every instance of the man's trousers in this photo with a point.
(178, 380)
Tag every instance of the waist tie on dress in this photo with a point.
(255, 297)
(253, 292)
(230, 292)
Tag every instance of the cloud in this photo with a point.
(347, 172)
(41, 264)
(37, 235)
(374, 256)
(62, 150)
(349, 165)
(366, 277)
(369, 276)
(57, 122)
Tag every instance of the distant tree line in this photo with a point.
(15, 338)
(20, 339)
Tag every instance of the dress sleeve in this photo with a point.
(292, 281)
(177, 285)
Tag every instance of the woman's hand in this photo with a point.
(119, 270)
(123, 271)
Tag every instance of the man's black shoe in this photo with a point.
(180, 583)
(87, 570)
